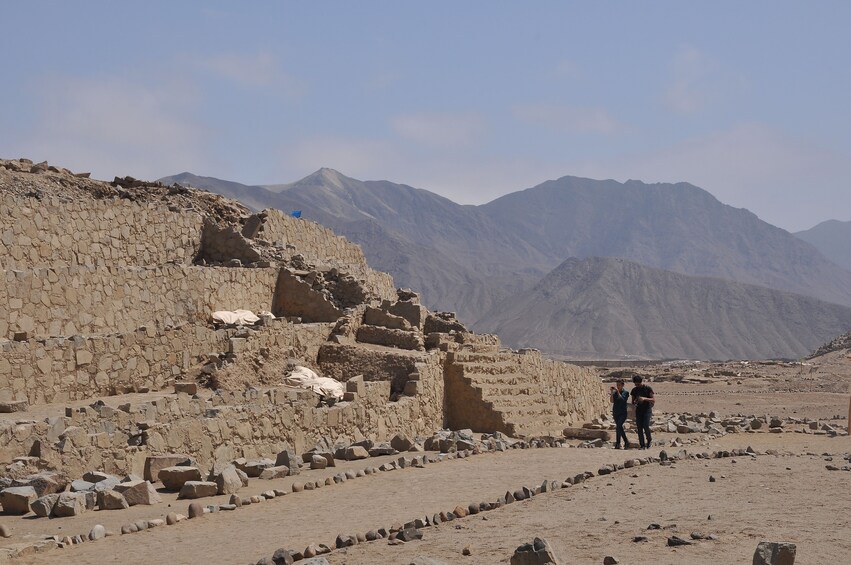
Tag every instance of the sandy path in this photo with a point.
(318, 516)
(771, 498)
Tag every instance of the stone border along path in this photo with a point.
(401, 533)
(235, 502)
(197, 509)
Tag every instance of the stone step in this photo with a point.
(536, 426)
(477, 379)
(518, 400)
(465, 356)
(520, 412)
(492, 391)
(497, 368)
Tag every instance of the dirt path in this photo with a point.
(297, 520)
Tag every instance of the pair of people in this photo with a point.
(643, 399)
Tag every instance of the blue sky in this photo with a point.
(749, 100)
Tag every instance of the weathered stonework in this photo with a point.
(70, 300)
(108, 289)
(49, 232)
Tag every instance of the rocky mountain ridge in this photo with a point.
(616, 308)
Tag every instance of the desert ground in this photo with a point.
(784, 492)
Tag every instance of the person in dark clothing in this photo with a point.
(643, 398)
(619, 398)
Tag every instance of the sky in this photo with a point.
(471, 100)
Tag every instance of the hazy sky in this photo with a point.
(749, 100)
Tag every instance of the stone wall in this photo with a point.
(322, 246)
(77, 368)
(50, 232)
(70, 300)
(576, 391)
(249, 424)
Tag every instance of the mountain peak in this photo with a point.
(327, 177)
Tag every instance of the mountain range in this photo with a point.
(616, 308)
(833, 239)
(479, 259)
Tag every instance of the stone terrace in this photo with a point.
(109, 355)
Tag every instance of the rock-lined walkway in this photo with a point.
(300, 519)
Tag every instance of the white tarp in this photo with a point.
(235, 317)
(302, 377)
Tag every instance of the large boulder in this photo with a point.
(228, 480)
(17, 500)
(356, 452)
(155, 463)
(288, 457)
(69, 504)
(46, 482)
(254, 468)
(401, 442)
(536, 553)
(198, 489)
(173, 478)
(43, 505)
(774, 553)
(112, 500)
(139, 492)
(277, 472)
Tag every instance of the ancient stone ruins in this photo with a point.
(109, 289)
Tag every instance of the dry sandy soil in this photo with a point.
(790, 496)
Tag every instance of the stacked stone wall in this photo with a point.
(50, 232)
(250, 424)
(70, 300)
(576, 391)
(321, 245)
(77, 368)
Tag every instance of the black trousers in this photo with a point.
(642, 424)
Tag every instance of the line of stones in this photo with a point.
(197, 509)
(399, 533)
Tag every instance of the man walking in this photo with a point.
(619, 398)
(643, 398)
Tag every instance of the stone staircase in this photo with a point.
(487, 390)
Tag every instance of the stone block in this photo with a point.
(198, 489)
(413, 312)
(586, 434)
(355, 385)
(401, 442)
(277, 472)
(69, 504)
(139, 492)
(356, 452)
(43, 506)
(112, 500)
(254, 468)
(773, 553)
(173, 478)
(46, 482)
(289, 459)
(228, 480)
(536, 553)
(386, 337)
(10, 406)
(17, 500)
(154, 463)
(188, 388)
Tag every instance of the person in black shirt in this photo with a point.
(643, 398)
(619, 398)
